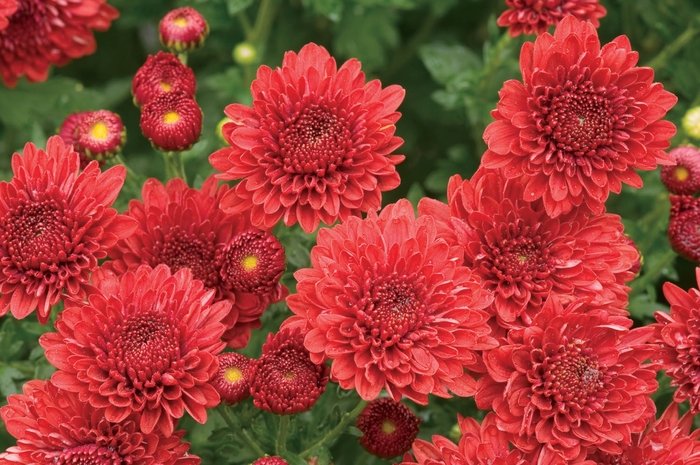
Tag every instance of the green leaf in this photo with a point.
(332, 9)
(8, 376)
(368, 37)
(444, 62)
(293, 459)
(236, 6)
(415, 193)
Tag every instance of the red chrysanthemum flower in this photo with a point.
(161, 74)
(481, 444)
(666, 441)
(535, 16)
(54, 426)
(524, 256)
(316, 144)
(56, 223)
(679, 341)
(100, 134)
(581, 122)
(284, 380)
(270, 461)
(172, 122)
(35, 34)
(144, 343)
(69, 133)
(232, 381)
(683, 234)
(184, 227)
(388, 428)
(574, 379)
(253, 262)
(183, 29)
(683, 178)
(390, 303)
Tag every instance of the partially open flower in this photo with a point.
(172, 122)
(183, 29)
(161, 74)
(100, 134)
(232, 379)
(683, 231)
(270, 461)
(389, 428)
(253, 262)
(69, 133)
(683, 178)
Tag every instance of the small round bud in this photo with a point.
(253, 262)
(161, 74)
(683, 178)
(245, 54)
(69, 133)
(388, 428)
(232, 381)
(270, 461)
(101, 134)
(172, 122)
(691, 122)
(183, 29)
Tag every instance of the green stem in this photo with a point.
(281, 441)
(652, 275)
(245, 23)
(182, 56)
(661, 59)
(225, 412)
(174, 167)
(339, 429)
(263, 23)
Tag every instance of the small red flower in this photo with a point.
(683, 178)
(232, 381)
(35, 34)
(284, 380)
(581, 122)
(388, 428)
(270, 461)
(162, 73)
(69, 133)
(535, 16)
(253, 262)
(679, 341)
(183, 29)
(184, 227)
(100, 134)
(172, 121)
(316, 144)
(388, 301)
(144, 343)
(683, 233)
(55, 224)
(54, 426)
(573, 380)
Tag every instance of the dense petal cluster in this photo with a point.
(683, 178)
(581, 122)
(100, 134)
(683, 233)
(679, 341)
(35, 34)
(145, 343)
(388, 428)
(232, 381)
(483, 444)
(390, 303)
(54, 426)
(575, 379)
(253, 262)
(284, 380)
(162, 73)
(183, 29)
(270, 461)
(535, 16)
(56, 222)
(172, 121)
(184, 227)
(523, 256)
(316, 144)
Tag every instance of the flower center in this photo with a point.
(681, 173)
(249, 263)
(233, 374)
(99, 131)
(180, 21)
(165, 86)
(388, 426)
(171, 117)
(521, 257)
(179, 250)
(88, 454)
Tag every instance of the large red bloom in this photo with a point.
(35, 34)
(388, 301)
(316, 144)
(184, 227)
(581, 122)
(523, 256)
(678, 336)
(569, 382)
(54, 426)
(535, 16)
(55, 224)
(145, 343)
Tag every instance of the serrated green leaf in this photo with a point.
(444, 62)
(236, 6)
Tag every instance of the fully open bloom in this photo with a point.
(183, 227)
(172, 121)
(679, 340)
(535, 16)
(232, 381)
(145, 343)
(183, 29)
(315, 146)
(35, 34)
(683, 178)
(524, 256)
(574, 379)
(56, 223)
(683, 233)
(581, 122)
(388, 428)
(162, 73)
(54, 426)
(390, 303)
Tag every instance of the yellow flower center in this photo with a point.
(681, 173)
(289, 375)
(165, 86)
(180, 21)
(233, 374)
(388, 426)
(249, 263)
(99, 131)
(171, 117)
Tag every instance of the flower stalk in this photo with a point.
(339, 429)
